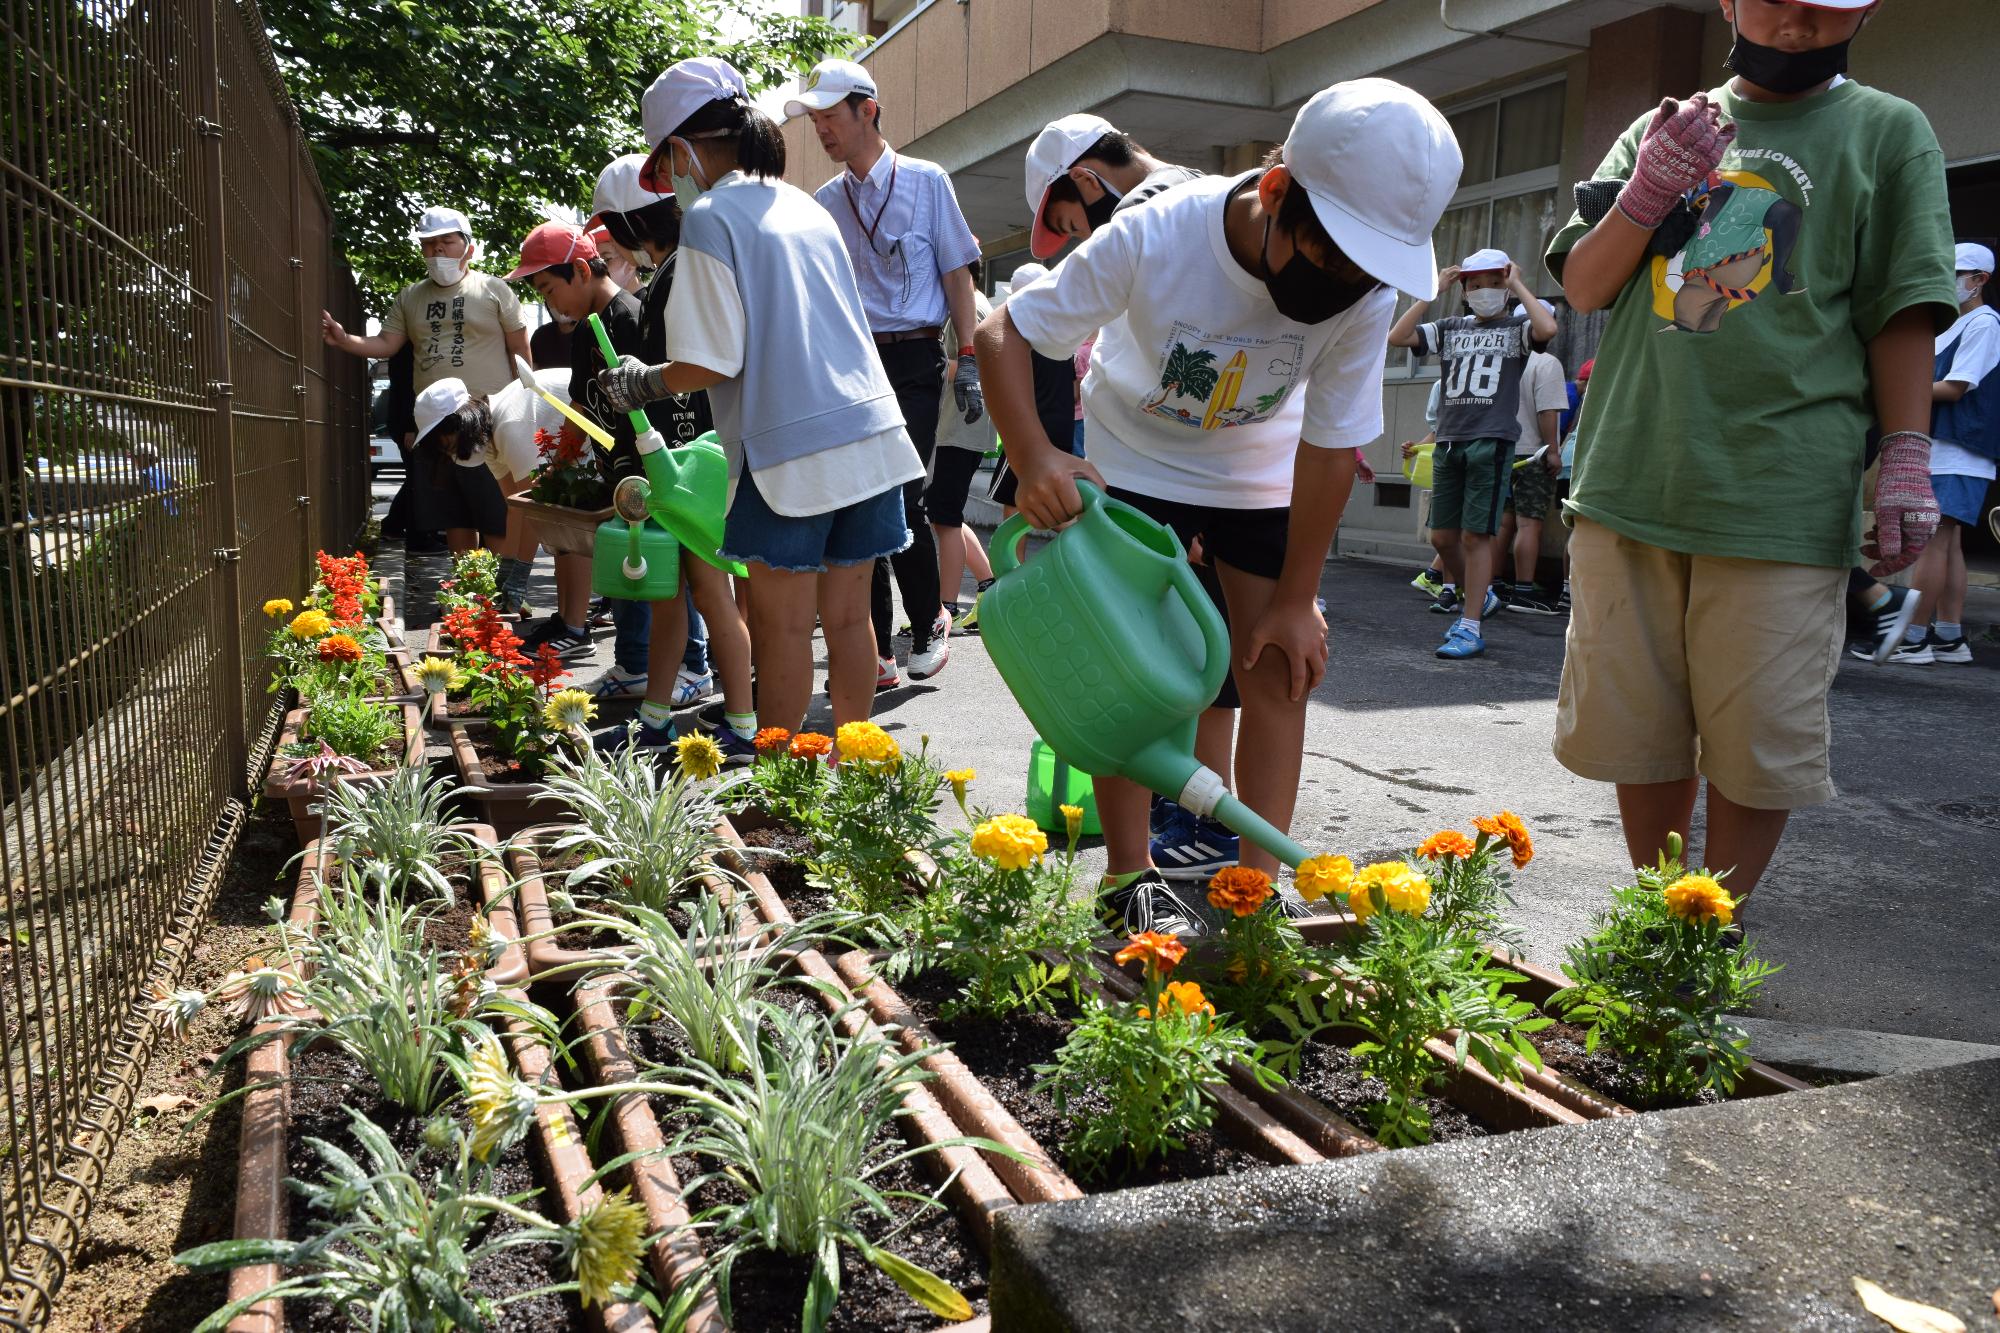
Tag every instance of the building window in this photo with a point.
(1506, 197)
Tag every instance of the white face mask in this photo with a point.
(445, 271)
(1487, 302)
(687, 188)
(1969, 287)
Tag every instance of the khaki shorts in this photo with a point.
(1683, 664)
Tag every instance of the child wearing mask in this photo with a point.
(765, 315)
(1776, 258)
(1229, 403)
(1481, 357)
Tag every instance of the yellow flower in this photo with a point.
(310, 624)
(867, 742)
(499, 1106)
(1238, 889)
(699, 755)
(571, 710)
(1449, 843)
(434, 674)
(960, 779)
(1403, 890)
(1700, 898)
(1318, 876)
(278, 606)
(610, 1239)
(1072, 821)
(1011, 842)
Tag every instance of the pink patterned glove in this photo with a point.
(1906, 511)
(1684, 143)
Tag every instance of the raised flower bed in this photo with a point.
(300, 778)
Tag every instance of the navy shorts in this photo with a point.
(1960, 497)
(851, 535)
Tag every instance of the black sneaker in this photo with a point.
(1949, 650)
(1447, 603)
(657, 741)
(569, 645)
(1882, 631)
(1149, 903)
(1562, 602)
(1531, 602)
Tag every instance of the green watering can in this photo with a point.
(634, 558)
(1113, 649)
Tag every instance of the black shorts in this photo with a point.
(951, 481)
(447, 494)
(1001, 489)
(484, 506)
(1252, 540)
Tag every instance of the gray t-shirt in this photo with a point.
(1482, 361)
(1156, 182)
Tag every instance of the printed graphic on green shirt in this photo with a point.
(1745, 245)
(1213, 383)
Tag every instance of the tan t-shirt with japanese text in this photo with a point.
(458, 330)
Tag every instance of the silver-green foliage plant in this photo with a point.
(1659, 977)
(646, 836)
(802, 1134)
(395, 1241)
(396, 831)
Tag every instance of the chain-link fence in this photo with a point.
(176, 444)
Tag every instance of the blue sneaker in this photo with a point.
(1193, 848)
(736, 751)
(1162, 814)
(1461, 643)
(1492, 603)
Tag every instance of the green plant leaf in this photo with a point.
(924, 1287)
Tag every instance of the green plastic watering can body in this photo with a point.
(689, 492)
(634, 558)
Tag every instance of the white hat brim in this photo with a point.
(1407, 266)
(813, 99)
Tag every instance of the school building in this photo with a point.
(1536, 90)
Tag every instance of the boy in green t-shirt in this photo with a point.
(1776, 257)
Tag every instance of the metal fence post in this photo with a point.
(309, 515)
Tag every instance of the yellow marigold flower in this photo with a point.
(867, 742)
(499, 1106)
(1700, 898)
(1403, 890)
(610, 1239)
(1238, 889)
(1317, 876)
(1072, 821)
(310, 624)
(1449, 843)
(1508, 825)
(1011, 842)
(699, 755)
(1156, 951)
(278, 606)
(570, 710)
(434, 674)
(960, 779)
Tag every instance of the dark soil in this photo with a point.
(499, 771)
(1334, 1076)
(554, 867)
(780, 852)
(1002, 1054)
(1562, 1050)
(326, 1083)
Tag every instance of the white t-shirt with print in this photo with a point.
(1978, 338)
(1199, 390)
(1542, 390)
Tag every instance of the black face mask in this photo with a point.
(1786, 71)
(1099, 213)
(1305, 292)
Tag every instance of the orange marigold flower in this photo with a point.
(339, 648)
(1508, 825)
(1158, 952)
(770, 740)
(811, 745)
(1450, 842)
(1238, 889)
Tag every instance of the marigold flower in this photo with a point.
(1011, 842)
(1701, 898)
(610, 1239)
(1187, 997)
(1449, 843)
(772, 740)
(1403, 890)
(960, 779)
(699, 755)
(569, 710)
(1317, 876)
(1158, 952)
(868, 742)
(811, 745)
(339, 648)
(434, 674)
(278, 606)
(1238, 889)
(310, 624)
(499, 1106)
(1072, 821)
(1508, 825)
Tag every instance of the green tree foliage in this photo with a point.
(498, 107)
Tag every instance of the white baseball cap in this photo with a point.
(619, 191)
(1973, 258)
(1520, 309)
(1026, 275)
(831, 81)
(683, 89)
(439, 221)
(1488, 260)
(1054, 151)
(438, 401)
(1379, 164)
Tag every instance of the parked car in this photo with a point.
(384, 455)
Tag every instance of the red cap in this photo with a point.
(551, 244)
(1583, 371)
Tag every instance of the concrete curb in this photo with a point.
(1800, 1047)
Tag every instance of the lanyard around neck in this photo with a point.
(888, 197)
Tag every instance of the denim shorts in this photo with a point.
(851, 535)
(1960, 497)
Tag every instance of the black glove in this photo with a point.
(1595, 200)
(631, 384)
(965, 390)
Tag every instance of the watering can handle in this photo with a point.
(1201, 607)
(640, 424)
(1004, 549)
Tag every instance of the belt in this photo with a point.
(933, 333)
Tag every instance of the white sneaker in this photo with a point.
(690, 690)
(618, 684)
(1912, 654)
(923, 665)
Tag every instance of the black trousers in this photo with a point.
(916, 372)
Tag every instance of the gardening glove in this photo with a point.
(1906, 511)
(1684, 143)
(631, 384)
(965, 389)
